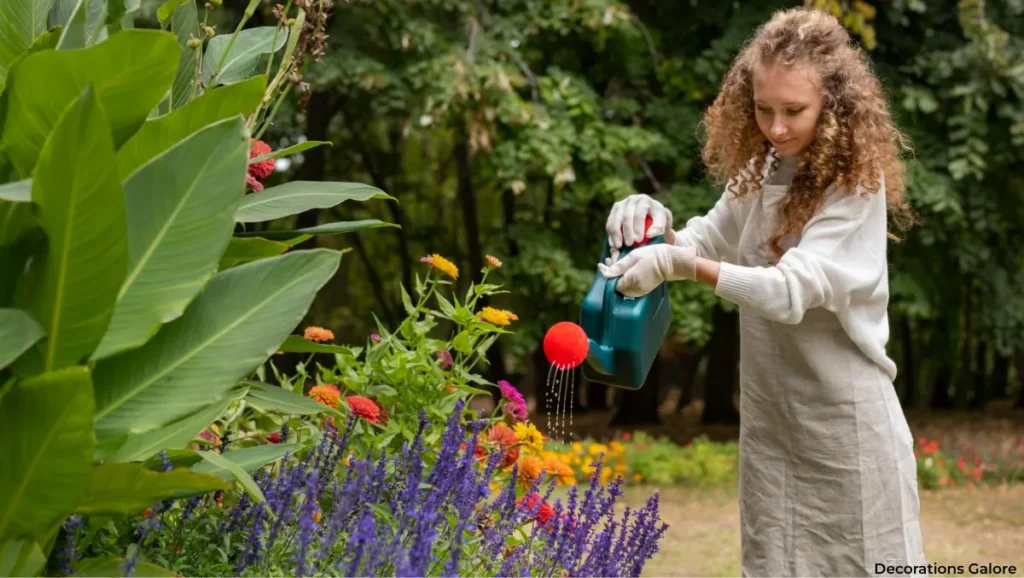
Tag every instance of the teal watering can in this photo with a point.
(624, 334)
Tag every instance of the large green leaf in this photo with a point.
(185, 25)
(127, 489)
(174, 435)
(20, 240)
(234, 325)
(271, 398)
(80, 205)
(249, 459)
(161, 133)
(21, 558)
(17, 192)
(181, 206)
(237, 472)
(294, 149)
(130, 72)
(337, 228)
(243, 250)
(47, 455)
(18, 332)
(114, 567)
(298, 344)
(297, 196)
(20, 22)
(245, 53)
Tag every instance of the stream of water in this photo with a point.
(560, 392)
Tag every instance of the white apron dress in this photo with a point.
(827, 475)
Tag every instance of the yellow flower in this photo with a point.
(637, 477)
(510, 315)
(317, 516)
(597, 449)
(616, 447)
(495, 316)
(443, 265)
(577, 447)
(493, 261)
(532, 439)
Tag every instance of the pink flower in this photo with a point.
(375, 337)
(445, 358)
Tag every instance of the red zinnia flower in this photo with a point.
(541, 514)
(261, 169)
(274, 438)
(364, 408)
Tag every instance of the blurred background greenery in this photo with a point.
(509, 127)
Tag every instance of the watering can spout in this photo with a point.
(601, 358)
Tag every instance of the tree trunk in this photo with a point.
(909, 363)
(981, 385)
(597, 396)
(1000, 376)
(1018, 363)
(640, 407)
(723, 359)
(689, 363)
(962, 391)
(319, 111)
(467, 198)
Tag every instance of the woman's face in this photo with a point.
(787, 102)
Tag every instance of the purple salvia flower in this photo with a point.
(365, 533)
(307, 524)
(67, 555)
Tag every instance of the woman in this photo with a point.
(802, 131)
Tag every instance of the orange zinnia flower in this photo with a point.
(530, 468)
(326, 394)
(364, 408)
(493, 261)
(318, 334)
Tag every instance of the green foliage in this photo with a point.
(701, 463)
(123, 336)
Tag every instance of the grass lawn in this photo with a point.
(960, 525)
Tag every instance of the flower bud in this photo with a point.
(194, 43)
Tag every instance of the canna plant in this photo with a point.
(145, 271)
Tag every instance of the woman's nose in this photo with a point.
(778, 130)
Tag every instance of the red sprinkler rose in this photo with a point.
(566, 345)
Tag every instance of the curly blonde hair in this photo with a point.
(856, 138)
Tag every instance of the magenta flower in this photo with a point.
(515, 404)
(375, 337)
(445, 358)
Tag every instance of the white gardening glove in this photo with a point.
(626, 221)
(644, 268)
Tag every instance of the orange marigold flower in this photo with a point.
(317, 516)
(530, 468)
(363, 407)
(502, 435)
(326, 394)
(493, 261)
(441, 264)
(495, 316)
(318, 334)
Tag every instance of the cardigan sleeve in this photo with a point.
(830, 265)
(715, 234)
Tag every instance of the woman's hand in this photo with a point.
(643, 269)
(625, 224)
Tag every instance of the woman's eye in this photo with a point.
(764, 110)
(795, 112)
